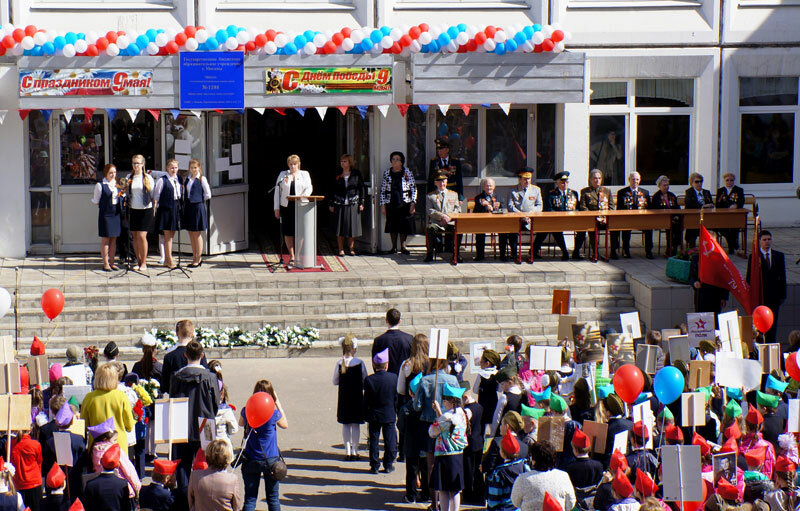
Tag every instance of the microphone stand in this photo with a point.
(129, 253)
(179, 267)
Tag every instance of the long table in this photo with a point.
(622, 220)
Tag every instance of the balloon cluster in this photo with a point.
(404, 40)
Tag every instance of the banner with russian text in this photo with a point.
(85, 82)
(329, 80)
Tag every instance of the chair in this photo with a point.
(469, 239)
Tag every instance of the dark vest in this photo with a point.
(196, 191)
(167, 197)
(106, 205)
(8, 503)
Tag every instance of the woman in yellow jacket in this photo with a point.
(106, 401)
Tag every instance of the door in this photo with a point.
(359, 140)
(227, 173)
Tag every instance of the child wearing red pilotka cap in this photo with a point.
(26, 456)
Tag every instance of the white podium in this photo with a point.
(305, 230)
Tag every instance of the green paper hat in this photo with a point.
(557, 404)
(666, 413)
(733, 410)
(528, 411)
(707, 391)
(767, 400)
(73, 401)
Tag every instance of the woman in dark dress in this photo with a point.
(664, 199)
(349, 377)
(168, 193)
(398, 201)
(195, 218)
(347, 203)
(106, 196)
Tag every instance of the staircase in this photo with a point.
(476, 303)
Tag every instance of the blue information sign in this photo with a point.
(212, 80)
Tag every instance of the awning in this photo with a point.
(477, 78)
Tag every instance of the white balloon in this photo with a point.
(27, 43)
(201, 36)
(357, 36)
(376, 49)
(242, 37)
(452, 47)
(112, 50)
(191, 44)
(290, 35)
(151, 48)
(122, 42)
(39, 38)
(415, 46)
(462, 38)
(17, 50)
(395, 34)
(171, 33)
(231, 43)
(51, 34)
(5, 301)
(547, 31)
(281, 40)
(339, 50)
(252, 32)
(489, 45)
(80, 45)
(328, 35)
(471, 31)
(567, 36)
(527, 47)
(500, 37)
(435, 32)
(319, 40)
(537, 37)
(386, 42)
(162, 39)
(559, 47)
(91, 37)
(132, 34)
(425, 38)
(310, 48)
(348, 44)
(404, 29)
(271, 47)
(68, 50)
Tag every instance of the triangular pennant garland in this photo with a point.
(132, 112)
(403, 107)
(505, 107)
(23, 114)
(196, 113)
(424, 108)
(111, 112)
(280, 111)
(46, 114)
(68, 115)
(321, 110)
(154, 112)
(383, 109)
(465, 109)
(175, 113)
(260, 110)
(362, 109)
(218, 110)
(3, 115)
(301, 111)
(88, 113)
(342, 109)
(444, 109)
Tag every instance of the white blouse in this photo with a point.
(98, 191)
(140, 198)
(203, 183)
(176, 188)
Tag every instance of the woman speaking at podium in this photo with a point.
(290, 182)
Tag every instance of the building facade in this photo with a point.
(658, 86)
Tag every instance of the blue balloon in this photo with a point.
(212, 43)
(443, 39)
(423, 48)
(132, 49)
(455, 136)
(500, 49)
(300, 41)
(520, 38)
(536, 27)
(151, 34)
(221, 35)
(433, 47)
(452, 32)
(81, 35)
(668, 384)
(511, 45)
(529, 31)
(462, 27)
(376, 36)
(27, 53)
(71, 37)
(443, 129)
(366, 44)
(59, 42)
(142, 41)
(232, 30)
(386, 30)
(290, 48)
(160, 31)
(309, 35)
(37, 51)
(48, 48)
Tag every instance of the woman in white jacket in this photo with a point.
(290, 182)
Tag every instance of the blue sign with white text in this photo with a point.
(212, 80)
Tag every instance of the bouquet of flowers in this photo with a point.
(151, 387)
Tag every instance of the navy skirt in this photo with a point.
(194, 217)
(142, 220)
(109, 226)
(448, 473)
(168, 219)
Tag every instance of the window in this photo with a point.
(226, 164)
(506, 142)
(82, 153)
(768, 107)
(130, 137)
(641, 125)
(39, 184)
(461, 132)
(183, 139)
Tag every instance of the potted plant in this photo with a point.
(679, 264)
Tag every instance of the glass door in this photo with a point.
(40, 191)
(184, 140)
(358, 144)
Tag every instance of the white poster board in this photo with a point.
(545, 358)
(643, 412)
(700, 326)
(208, 431)
(678, 347)
(793, 423)
(733, 371)
(437, 346)
(680, 474)
(621, 442)
(630, 324)
(171, 420)
(76, 373)
(476, 349)
(77, 391)
(63, 444)
(729, 334)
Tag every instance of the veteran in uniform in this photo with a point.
(594, 197)
(560, 198)
(440, 204)
(630, 198)
(730, 196)
(524, 197)
(451, 167)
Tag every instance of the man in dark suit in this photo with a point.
(773, 279)
(696, 197)
(451, 167)
(560, 198)
(631, 198)
(175, 359)
(707, 298)
(107, 491)
(380, 393)
(730, 196)
(398, 342)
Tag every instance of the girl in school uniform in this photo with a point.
(140, 202)
(450, 433)
(349, 376)
(106, 196)
(195, 219)
(168, 193)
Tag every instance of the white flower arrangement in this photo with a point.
(227, 337)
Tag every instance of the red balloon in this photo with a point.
(181, 38)
(472, 45)
(763, 318)
(696, 506)
(52, 303)
(18, 34)
(92, 51)
(423, 26)
(259, 409)
(414, 32)
(270, 35)
(329, 47)
(548, 45)
(792, 369)
(346, 31)
(8, 42)
(462, 49)
(396, 48)
(171, 47)
(112, 37)
(102, 43)
(490, 31)
(405, 40)
(189, 31)
(558, 35)
(337, 38)
(250, 46)
(628, 383)
(30, 30)
(2, 50)
(260, 40)
(537, 48)
(480, 38)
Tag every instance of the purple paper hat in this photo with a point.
(104, 427)
(381, 357)
(64, 416)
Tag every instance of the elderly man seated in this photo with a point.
(440, 204)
